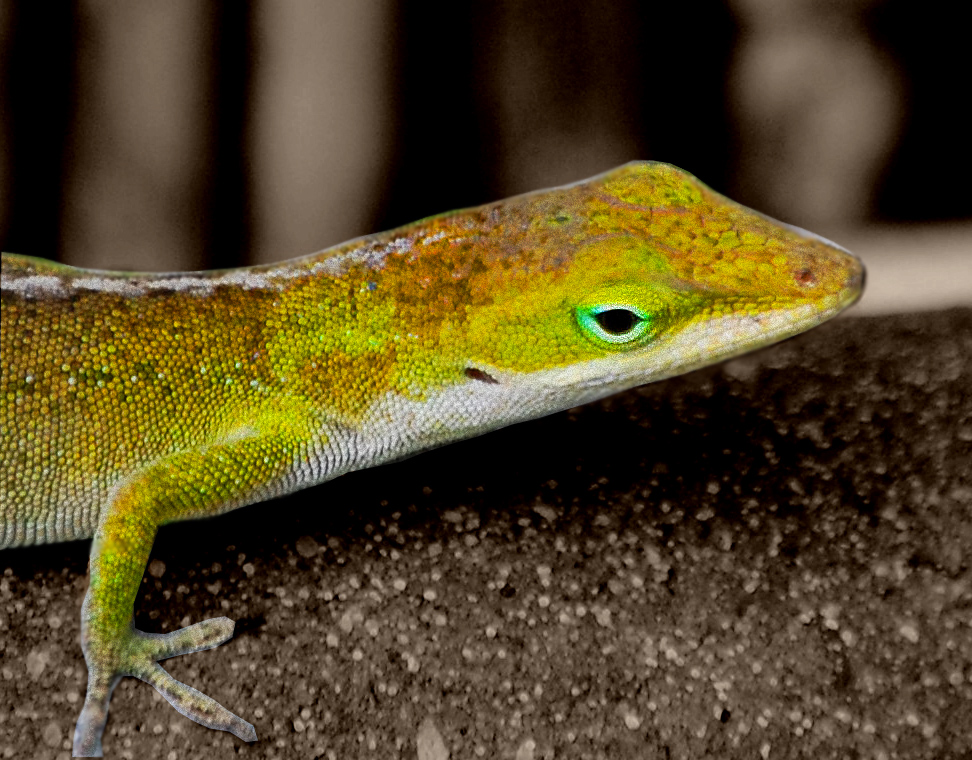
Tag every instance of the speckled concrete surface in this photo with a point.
(769, 559)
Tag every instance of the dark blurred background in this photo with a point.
(184, 134)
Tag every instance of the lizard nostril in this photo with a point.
(805, 277)
(856, 278)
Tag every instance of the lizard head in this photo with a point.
(636, 275)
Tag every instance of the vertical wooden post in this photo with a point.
(138, 151)
(322, 122)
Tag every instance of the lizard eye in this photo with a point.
(614, 323)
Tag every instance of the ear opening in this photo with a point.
(473, 373)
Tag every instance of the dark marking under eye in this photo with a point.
(477, 374)
(617, 321)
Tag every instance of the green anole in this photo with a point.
(135, 400)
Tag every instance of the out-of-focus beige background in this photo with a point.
(185, 134)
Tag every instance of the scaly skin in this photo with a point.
(133, 400)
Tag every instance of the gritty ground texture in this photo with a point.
(768, 559)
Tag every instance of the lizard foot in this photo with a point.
(139, 656)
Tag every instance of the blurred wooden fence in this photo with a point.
(183, 134)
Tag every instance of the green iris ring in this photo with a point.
(641, 325)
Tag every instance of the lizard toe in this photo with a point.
(94, 714)
(194, 638)
(194, 704)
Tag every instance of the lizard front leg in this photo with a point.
(186, 485)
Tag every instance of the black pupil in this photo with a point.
(616, 321)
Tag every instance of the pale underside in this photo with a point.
(396, 426)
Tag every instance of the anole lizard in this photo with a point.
(134, 400)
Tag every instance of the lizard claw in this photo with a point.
(139, 656)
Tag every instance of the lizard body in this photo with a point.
(133, 400)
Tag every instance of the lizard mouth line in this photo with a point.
(696, 346)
